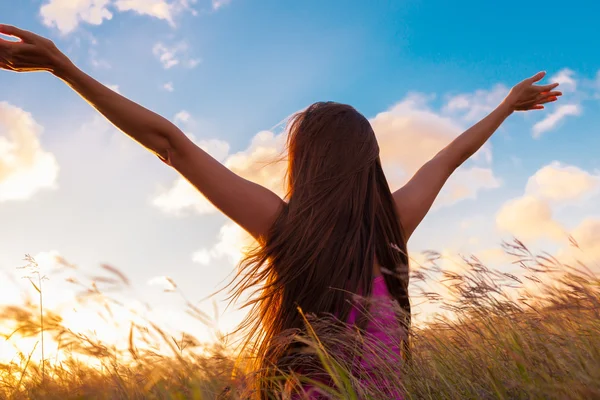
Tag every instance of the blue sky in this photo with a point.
(226, 70)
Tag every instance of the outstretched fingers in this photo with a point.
(13, 31)
(555, 93)
(545, 88)
(537, 77)
(549, 95)
(547, 100)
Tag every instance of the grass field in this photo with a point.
(499, 339)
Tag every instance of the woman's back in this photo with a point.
(381, 347)
(383, 318)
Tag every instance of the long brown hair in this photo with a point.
(339, 221)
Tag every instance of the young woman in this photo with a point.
(339, 226)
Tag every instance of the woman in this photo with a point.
(338, 228)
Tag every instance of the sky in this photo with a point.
(229, 72)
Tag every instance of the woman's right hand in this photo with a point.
(30, 53)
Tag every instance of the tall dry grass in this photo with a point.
(497, 340)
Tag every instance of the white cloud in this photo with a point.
(230, 245)
(154, 8)
(25, 167)
(559, 182)
(168, 87)
(565, 77)
(66, 15)
(217, 4)
(171, 56)
(182, 117)
(163, 282)
(554, 118)
(97, 62)
(494, 257)
(529, 218)
(446, 259)
(476, 105)
(471, 222)
(193, 63)
(167, 56)
(202, 256)
(587, 237)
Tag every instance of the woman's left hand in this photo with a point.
(528, 96)
(30, 53)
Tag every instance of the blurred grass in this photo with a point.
(498, 339)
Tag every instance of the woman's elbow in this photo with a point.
(169, 145)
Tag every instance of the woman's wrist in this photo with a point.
(61, 66)
(506, 108)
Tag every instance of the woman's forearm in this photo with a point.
(465, 145)
(144, 126)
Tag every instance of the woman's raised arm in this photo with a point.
(250, 205)
(415, 198)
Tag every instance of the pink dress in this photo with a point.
(383, 328)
